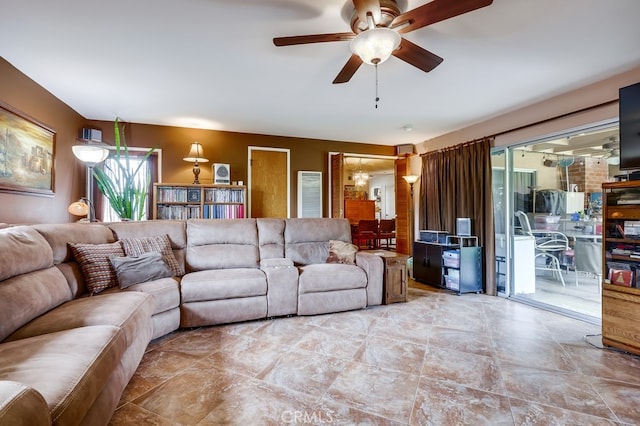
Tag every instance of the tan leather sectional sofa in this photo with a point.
(66, 357)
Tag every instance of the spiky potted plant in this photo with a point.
(122, 185)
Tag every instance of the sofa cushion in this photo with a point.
(223, 284)
(156, 243)
(127, 310)
(222, 244)
(96, 267)
(165, 292)
(59, 235)
(23, 250)
(30, 295)
(271, 238)
(307, 239)
(330, 277)
(69, 380)
(341, 252)
(132, 270)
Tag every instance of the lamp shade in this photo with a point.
(375, 45)
(79, 208)
(91, 153)
(411, 179)
(196, 154)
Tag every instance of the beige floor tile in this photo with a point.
(570, 391)
(442, 403)
(532, 414)
(304, 371)
(463, 368)
(378, 391)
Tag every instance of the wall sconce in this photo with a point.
(195, 155)
(90, 153)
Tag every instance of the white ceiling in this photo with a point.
(212, 64)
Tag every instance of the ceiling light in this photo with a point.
(375, 45)
(407, 127)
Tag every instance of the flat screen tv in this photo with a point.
(630, 127)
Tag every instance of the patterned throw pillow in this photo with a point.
(159, 243)
(95, 265)
(341, 252)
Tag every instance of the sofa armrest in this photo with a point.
(374, 268)
(22, 405)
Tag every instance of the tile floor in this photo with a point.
(439, 359)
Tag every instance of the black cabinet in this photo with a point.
(427, 262)
(448, 266)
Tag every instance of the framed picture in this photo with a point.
(26, 154)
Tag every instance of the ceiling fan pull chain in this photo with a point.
(377, 97)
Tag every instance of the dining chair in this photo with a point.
(366, 235)
(387, 232)
(549, 245)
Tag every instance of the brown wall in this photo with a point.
(232, 148)
(26, 96)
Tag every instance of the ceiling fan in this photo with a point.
(376, 27)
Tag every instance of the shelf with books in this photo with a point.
(193, 201)
(621, 266)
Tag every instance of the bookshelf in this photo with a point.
(191, 201)
(621, 266)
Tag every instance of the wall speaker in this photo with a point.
(92, 134)
(550, 163)
(406, 149)
(221, 174)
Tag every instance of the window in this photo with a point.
(136, 157)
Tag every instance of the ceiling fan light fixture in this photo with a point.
(374, 46)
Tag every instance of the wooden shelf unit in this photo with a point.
(193, 201)
(621, 303)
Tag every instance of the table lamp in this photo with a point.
(195, 155)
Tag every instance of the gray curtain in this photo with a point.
(457, 183)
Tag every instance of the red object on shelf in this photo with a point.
(623, 277)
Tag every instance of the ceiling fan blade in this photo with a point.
(417, 56)
(364, 7)
(312, 38)
(435, 11)
(348, 70)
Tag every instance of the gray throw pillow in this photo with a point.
(132, 270)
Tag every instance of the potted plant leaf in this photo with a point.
(120, 183)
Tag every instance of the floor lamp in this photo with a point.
(90, 153)
(411, 179)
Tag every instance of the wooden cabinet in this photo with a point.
(395, 277)
(190, 201)
(356, 210)
(448, 266)
(621, 266)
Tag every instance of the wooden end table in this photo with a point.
(394, 281)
